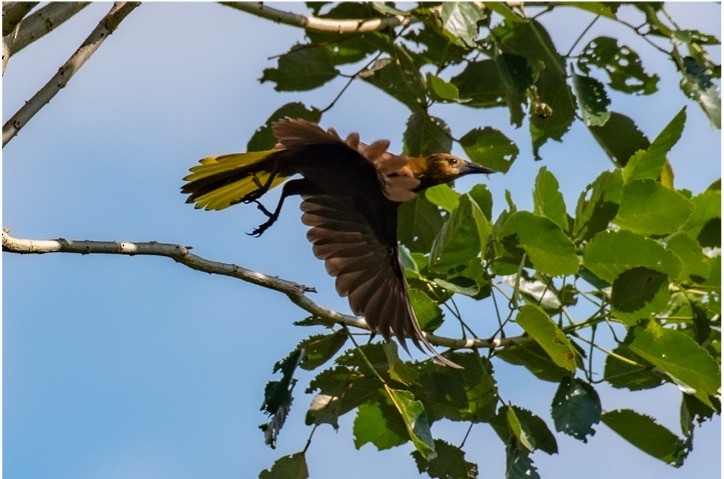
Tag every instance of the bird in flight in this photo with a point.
(350, 195)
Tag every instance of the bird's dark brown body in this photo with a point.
(351, 193)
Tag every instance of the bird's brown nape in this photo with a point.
(351, 192)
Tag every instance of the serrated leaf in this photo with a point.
(622, 65)
(679, 356)
(263, 139)
(489, 147)
(293, 466)
(467, 394)
(576, 408)
(516, 73)
(649, 163)
(442, 89)
(592, 100)
(541, 327)
(620, 138)
(425, 135)
(623, 374)
(413, 414)
(399, 77)
(547, 247)
(462, 238)
(460, 21)
(378, 422)
(548, 200)
(438, 49)
(687, 249)
(304, 67)
(598, 205)
(340, 390)
(278, 396)
(649, 208)
(518, 464)
(480, 85)
(450, 463)
(530, 430)
(644, 433)
(320, 348)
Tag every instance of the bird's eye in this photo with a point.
(452, 161)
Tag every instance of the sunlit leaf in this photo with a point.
(541, 327)
(649, 208)
(489, 147)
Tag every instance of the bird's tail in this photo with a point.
(221, 181)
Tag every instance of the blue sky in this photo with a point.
(120, 367)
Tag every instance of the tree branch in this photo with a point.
(38, 24)
(107, 26)
(322, 24)
(13, 12)
(181, 254)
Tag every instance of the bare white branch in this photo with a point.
(295, 292)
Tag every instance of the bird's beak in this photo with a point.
(471, 167)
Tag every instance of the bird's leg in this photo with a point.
(293, 187)
(261, 187)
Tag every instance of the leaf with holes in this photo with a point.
(592, 100)
(425, 135)
(622, 65)
(576, 408)
(489, 147)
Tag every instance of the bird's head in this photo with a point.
(444, 167)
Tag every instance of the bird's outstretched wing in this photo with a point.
(354, 241)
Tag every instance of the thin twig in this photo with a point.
(567, 55)
(107, 26)
(294, 291)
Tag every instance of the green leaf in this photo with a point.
(548, 200)
(442, 89)
(553, 103)
(694, 264)
(697, 84)
(378, 422)
(263, 139)
(576, 408)
(620, 138)
(480, 85)
(650, 162)
(467, 394)
(484, 198)
(399, 77)
(304, 67)
(489, 147)
(649, 208)
(444, 196)
(438, 49)
(679, 356)
(415, 419)
(504, 11)
(450, 463)
(418, 223)
(605, 9)
(278, 396)
(530, 430)
(610, 253)
(293, 466)
(516, 73)
(622, 65)
(598, 205)
(340, 391)
(428, 312)
(636, 287)
(462, 238)
(518, 464)
(635, 377)
(320, 348)
(644, 433)
(592, 100)
(426, 135)
(534, 358)
(460, 22)
(704, 223)
(541, 327)
(548, 248)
